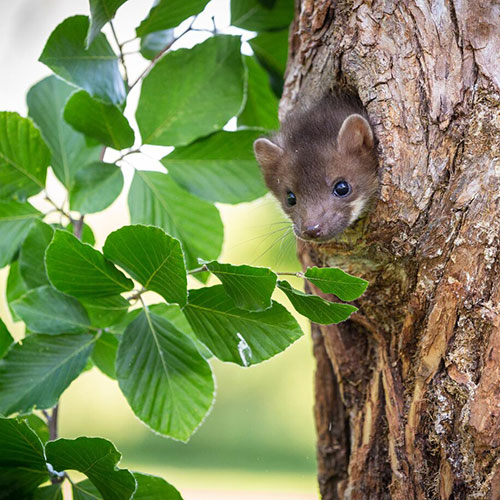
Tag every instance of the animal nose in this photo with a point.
(313, 231)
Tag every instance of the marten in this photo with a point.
(322, 166)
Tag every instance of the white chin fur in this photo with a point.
(357, 207)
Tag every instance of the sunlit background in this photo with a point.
(258, 441)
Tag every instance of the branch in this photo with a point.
(52, 419)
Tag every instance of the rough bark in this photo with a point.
(408, 391)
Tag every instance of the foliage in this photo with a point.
(77, 301)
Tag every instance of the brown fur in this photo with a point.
(308, 157)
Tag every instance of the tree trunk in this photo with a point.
(408, 391)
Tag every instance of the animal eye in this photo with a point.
(291, 199)
(341, 189)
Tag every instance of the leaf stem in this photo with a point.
(299, 274)
(161, 54)
(199, 269)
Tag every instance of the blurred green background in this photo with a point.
(258, 441)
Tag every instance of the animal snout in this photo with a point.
(313, 231)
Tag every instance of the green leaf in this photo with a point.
(205, 89)
(15, 221)
(96, 186)
(35, 373)
(154, 488)
(77, 269)
(85, 490)
(155, 199)
(315, 308)
(269, 4)
(45, 310)
(250, 287)
(261, 107)
(32, 255)
(101, 12)
(104, 354)
(94, 69)
(152, 258)
(24, 157)
(51, 492)
(271, 49)
(5, 339)
(170, 312)
(106, 311)
(102, 122)
(220, 167)
(166, 381)
(70, 151)
(174, 315)
(154, 43)
(39, 426)
(169, 14)
(335, 281)
(236, 335)
(97, 459)
(15, 287)
(22, 463)
(253, 16)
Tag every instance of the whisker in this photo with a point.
(278, 240)
(263, 236)
(285, 246)
(282, 223)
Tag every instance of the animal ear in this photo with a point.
(355, 134)
(267, 153)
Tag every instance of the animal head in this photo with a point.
(323, 183)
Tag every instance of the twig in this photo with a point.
(136, 295)
(160, 55)
(122, 58)
(128, 41)
(57, 209)
(78, 227)
(129, 152)
(52, 422)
